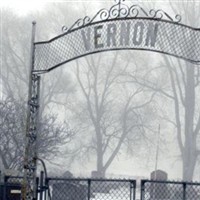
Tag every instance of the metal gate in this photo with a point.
(88, 189)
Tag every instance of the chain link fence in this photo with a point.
(100, 189)
(91, 189)
(169, 190)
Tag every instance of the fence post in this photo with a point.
(89, 188)
(184, 191)
(142, 189)
(41, 185)
(5, 187)
(46, 188)
(132, 189)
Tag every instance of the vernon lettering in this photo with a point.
(119, 35)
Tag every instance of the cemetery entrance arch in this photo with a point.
(122, 27)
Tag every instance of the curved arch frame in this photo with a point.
(166, 42)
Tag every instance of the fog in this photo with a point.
(109, 112)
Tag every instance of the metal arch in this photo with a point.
(173, 38)
(69, 45)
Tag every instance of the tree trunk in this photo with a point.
(189, 152)
(100, 165)
(189, 162)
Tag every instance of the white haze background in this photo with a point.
(123, 165)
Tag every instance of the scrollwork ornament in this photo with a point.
(64, 29)
(158, 14)
(121, 10)
(119, 1)
(114, 11)
(104, 14)
(178, 18)
(134, 11)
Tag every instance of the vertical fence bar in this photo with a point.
(1, 186)
(5, 187)
(46, 188)
(184, 191)
(142, 192)
(37, 187)
(41, 185)
(132, 190)
(89, 188)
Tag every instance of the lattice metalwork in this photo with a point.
(168, 190)
(192, 191)
(121, 27)
(91, 189)
(29, 185)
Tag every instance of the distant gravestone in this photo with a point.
(96, 174)
(159, 175)
(67, 174)
(159, 190)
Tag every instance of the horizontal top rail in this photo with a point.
(169, 182)
(90, 179)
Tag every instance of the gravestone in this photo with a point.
(159, 175)
(159, 190)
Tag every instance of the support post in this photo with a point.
(89, 189)
(184, 191)
(41, 185)
(29, 188)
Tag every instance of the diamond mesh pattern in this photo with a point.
(171, 191)
(193, 191)
(172, 38)
(68, 190)
(79, 189)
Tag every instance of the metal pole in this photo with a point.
(89, 188)
(142, 190)
(29, 189)
(5, 188)
(184, 191)
(132, 190)
(157, 152)
(41, 184)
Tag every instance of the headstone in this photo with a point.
(96, 174)
(159, 190)
(159, 175)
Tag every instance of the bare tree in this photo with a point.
(181, 89)
(109, 114)
(51, 136)
(14, 73)
(178, 82)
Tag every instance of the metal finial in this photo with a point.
(119, 1)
